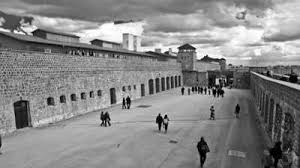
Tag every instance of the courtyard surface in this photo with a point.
(134, 142)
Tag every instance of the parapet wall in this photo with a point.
(34, 77)
(278, 104)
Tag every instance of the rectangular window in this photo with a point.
(91, 94)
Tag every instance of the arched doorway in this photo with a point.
(113, 97)
(172, 82)
(157, 85)
(163, 85)
(151, 86)
(271, 117)
(266, 109)
(168, 83)
(22, 114)
(263, 105)
(176, 82)
(277, 124)
(288, 131)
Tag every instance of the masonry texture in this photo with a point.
(57, 86)
(278, 105)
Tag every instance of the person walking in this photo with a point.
(276, 153)
(102, 118)
(124, 103)
(189, 91)
(205, 90)
(182, 91)
(203, 149)
(159, 121)
(128, 102)
(267, 159)
(166, 123)
(237, 111)
(212, 113)
(107, 119)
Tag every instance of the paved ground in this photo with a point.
(134, 142)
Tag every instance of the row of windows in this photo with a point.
(129, 88)
(73, 97)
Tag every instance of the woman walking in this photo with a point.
(166, 123)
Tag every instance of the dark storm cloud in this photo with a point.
(178, 39)
(282, 37)
(132, 9)
(14, 22)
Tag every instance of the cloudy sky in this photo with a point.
(250, 32)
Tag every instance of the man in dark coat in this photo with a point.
(276, 153)
(182, 91)
(124, 103)
(159, 121)
(107, 119)
(205, 90)
(128, 101)
(203, 149)
(102, 118)
(237, 111)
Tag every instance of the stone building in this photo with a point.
(195, 72)
(51, 76)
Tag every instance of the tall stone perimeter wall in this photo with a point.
(34, 77)
(201, 66)
(278, 105)
(194, 78)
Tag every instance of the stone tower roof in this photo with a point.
(186, 47)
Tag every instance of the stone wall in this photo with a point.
(201, 66)
(47, 81)
(241, 80)
(278, 104)
(194, 78)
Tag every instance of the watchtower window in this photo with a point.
(62, 99)
(50, 101)
(99, 93)
(83, 96)
(73, 97)
(92, 94)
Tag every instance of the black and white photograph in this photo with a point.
(149, 83)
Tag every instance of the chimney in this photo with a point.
(158, 50)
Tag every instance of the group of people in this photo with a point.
(162, 121)
(126, 103)
(105, 119)
(215, 91)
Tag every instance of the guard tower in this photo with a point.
(187, 57)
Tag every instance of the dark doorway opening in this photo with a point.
(168, 83)
(157, 87)
(176, 84)
(113, 97)
(22, 114)
(163, 85)
(142, 90)
(151, 87)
